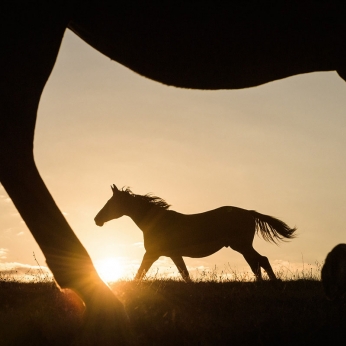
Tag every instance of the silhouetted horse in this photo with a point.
(171, 234)
(333, 273)
(191, 44)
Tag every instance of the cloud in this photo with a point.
(5, 198)
(14, 271)
(139, 244)
(3, 253)
(203, 271)
(20, 233)
(296, 270)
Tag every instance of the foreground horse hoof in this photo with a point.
(105, 321)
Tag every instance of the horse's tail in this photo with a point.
(272, 229)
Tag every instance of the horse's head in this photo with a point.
(113, 209)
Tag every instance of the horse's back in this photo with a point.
(214, 45)
(227, 213)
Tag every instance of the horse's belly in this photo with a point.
(200, 250)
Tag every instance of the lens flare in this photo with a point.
(109, 269)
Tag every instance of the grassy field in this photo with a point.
(170, 312)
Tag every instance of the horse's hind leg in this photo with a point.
(256, 262)
(29, 39)
(264, 263)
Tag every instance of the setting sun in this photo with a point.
(109, 269)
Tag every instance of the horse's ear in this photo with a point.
(114, 189)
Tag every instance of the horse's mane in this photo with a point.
(149, 198)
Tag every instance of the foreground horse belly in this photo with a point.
(210, 47)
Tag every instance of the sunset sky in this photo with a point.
(278, 148)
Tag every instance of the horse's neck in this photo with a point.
(139, 212)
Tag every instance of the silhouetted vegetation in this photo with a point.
(172, 312)
(37, 313)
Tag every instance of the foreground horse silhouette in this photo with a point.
(333, 273)
(204, 45)
(171, 234)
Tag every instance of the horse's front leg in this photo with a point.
(147, 262)
(30, 39)
(179, 262)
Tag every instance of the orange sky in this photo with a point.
(277, 148)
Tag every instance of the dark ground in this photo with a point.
(166, 312)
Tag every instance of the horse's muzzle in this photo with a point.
(99, 223)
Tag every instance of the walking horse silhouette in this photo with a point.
(190, 44)
(168, 233)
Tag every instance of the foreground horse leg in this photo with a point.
(29, 42)
(179, 262)
(333, 273)
(147, 262)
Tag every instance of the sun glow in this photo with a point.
(109, 269)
